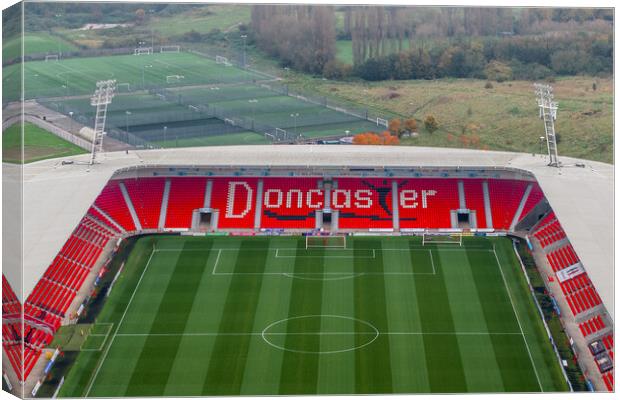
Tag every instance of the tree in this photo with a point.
(140, 16)
(395, 126)
(371, 138)
(430, 123)
(411, 125)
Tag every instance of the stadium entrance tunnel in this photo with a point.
(204, 220)
(320, 334)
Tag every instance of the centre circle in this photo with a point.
(320, 334)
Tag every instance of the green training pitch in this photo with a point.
(38, 143)
(77, 76)
(266, 316)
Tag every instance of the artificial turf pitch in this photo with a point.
(264, 315)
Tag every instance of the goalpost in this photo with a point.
(174, 78)
(138, 51)
(382, 122)
(222, 60)
(51, 57)
(326, 242)
(170, 49)
(442, 238)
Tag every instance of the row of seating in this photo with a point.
(608, 378)
(562, 258)
(291, 203)
(592, 326)
(11, 340)
(583, 300)
(550, 234)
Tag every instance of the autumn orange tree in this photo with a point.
(371, 138)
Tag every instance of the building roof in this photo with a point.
(57, 196)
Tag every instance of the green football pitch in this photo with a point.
(196, 316)
(77, 76)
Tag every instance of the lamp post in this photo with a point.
(294, 116)
(127, 114)
(143, 68)
(244, 37)
(71, 122)
(165, 129)
(347, 132)
(542, 139)
(253, 102)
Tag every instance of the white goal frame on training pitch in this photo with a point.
(382, 122)
(442, 238)
(138, 51)
(52, 57)
(170, 49)
(322, 239)
(174, 78)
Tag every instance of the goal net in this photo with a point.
(326, 242)
(138, 51)
(170, 49)
(442, 238)
(51, 57)
(382, 122)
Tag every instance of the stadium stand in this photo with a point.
(363, 203)
(186, 195)
(235, 198)
(426, 203)
(474, 200)
(48, 303)
(146, 195)
(291, 203)
(591, 326)
(11, 337)
(505, 198)
(111, 201)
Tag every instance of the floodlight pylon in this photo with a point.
(101, 98)
(547, 111)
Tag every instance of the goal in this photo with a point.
(174, 78)
(138, 51)
(382, 122)
(222, 60)
(326, 242)
(442, 238)
(51, 58)
(170, 49)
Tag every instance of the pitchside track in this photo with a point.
(259, 315)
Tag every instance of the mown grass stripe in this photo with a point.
(151, 373)
(373, 370)
(299, 373)
(443, 357)
(228, 357)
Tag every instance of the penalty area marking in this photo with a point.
(330, 274)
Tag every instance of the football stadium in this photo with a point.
(156, 262)
(309, 270)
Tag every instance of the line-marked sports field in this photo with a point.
(221, 316)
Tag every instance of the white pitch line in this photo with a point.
(107, 350)
(217, 259)
(317, 334)
(432, 262)
(514, 310)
